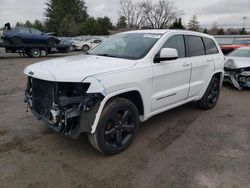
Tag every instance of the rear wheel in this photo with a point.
(211, 96)
(85, 48)
(16, 40)
(117, 127)
(35, 52)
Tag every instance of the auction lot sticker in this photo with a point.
(154, 36)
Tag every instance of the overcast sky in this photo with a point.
(222, 12)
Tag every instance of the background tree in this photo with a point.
(221, 31)
(214, 30)
(106, 22)
(205, 31)
(39, 25)
(193, 24)
(64, 14)
(160, 15)
(68, 26)
(133, 12)
(232, 31)
(177, 24)
(243, 31)
(121, 23)
(94, 26)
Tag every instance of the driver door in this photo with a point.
(171, 78)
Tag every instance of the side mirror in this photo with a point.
(166, 54)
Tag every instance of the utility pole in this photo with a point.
(244, 22)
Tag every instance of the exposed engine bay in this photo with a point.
(65, 107)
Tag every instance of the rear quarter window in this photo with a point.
(195, 46)
(210, 46)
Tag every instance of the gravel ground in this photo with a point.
(184, 147)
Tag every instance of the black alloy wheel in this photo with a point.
(211, 96)
(117, 127)
(120, 128)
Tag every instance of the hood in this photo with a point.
(76, 68)
(237, 62)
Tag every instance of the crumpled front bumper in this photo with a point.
(240, 79)
(69, 115)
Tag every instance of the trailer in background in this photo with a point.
(229, 39)
(34, 50)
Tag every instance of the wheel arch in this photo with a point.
(132, 94)
(217, 74)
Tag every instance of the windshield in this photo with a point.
(240, 53)
(127, 45)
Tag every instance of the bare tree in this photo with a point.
(133, 13)
(214, 30)
(194, 24)
(160, 15)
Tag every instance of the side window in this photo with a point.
(195, 46)
(24, 30)
(210, 46)
(35, 31)
(177, 42)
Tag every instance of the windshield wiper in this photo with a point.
(106, 55)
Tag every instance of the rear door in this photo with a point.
(25, 34)
(171, 78)
(202, 65)
(37, 36)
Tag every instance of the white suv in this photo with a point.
(127, 79)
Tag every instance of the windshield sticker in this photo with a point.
(154, 36)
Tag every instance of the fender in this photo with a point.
(104, 101)
(221, 80)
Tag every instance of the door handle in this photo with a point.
(186, 64)
(209, 60)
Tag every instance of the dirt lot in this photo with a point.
(185, 147)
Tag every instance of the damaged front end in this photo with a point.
(66, 107)
(239, 77)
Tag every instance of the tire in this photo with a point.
(211, 96)
(35, 52)
(51, 42)
(16, 40)
(117, 127)
(85, 48)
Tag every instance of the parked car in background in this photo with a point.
(21, 35)
(127, 79)
(226, 49)
(1, 33)
(86, 45)
(67, 41)
(237, 68)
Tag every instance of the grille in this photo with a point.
(42, 96)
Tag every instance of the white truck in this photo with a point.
(127, 79)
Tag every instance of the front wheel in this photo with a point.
(34, 53)
(117, 127)
(85, 48)
(211, 96)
